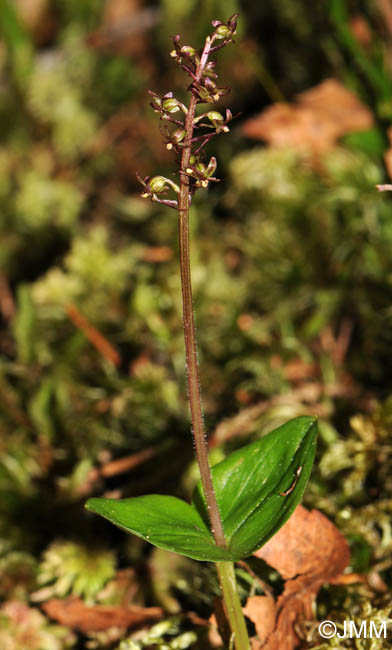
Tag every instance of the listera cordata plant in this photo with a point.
(241, 502)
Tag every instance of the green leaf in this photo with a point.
(165, 521)
(250, 485)
(257, 489)
(17, 40)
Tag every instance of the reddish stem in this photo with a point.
(188, 316)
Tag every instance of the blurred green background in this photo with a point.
(292, 272)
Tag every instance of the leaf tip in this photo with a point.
(308, 424)
(92, 505)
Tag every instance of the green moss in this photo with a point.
(71, 568)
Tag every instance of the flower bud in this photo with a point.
(158, 184)
(214, 116)
(211, 167)
(156, 101)
(188, 50)
(178, 135)
(218, 121)
(223, 31)
(171, 105)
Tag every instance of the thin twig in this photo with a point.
(264, 585)
(103, 346)
(7, 304)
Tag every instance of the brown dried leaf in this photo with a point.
(74, 613)
(113, 468)
(38, 18)
(7, 304)
(308, 544)
(361, 30)
(307, 551)
(298, 370)
(95, 337)
(336, 103)
(387, 159)
(156, 254)
(314, 122)
(262, 612)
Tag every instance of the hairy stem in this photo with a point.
(233, 605)
(189, 321)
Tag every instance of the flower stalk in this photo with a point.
(188, 137)
(188, 314)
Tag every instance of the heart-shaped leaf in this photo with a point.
(257, 489)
